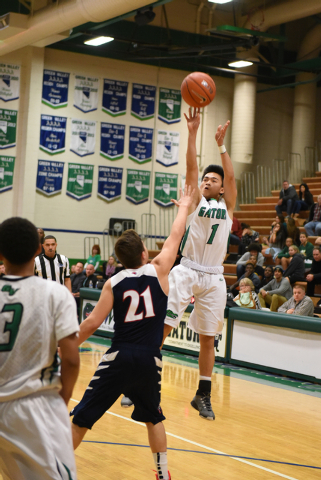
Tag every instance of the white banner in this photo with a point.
(86, 93)
(167, 148)
(83, 137)
(9, 82)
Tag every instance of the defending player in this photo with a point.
(133, 364)
(35, 433)
(200, 273)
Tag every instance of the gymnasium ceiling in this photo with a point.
(171, 41)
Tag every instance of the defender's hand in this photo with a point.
(186, 197)
(220, 133)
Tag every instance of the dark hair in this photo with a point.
(254, 246)
(268, 267)
(317, 248)
(19, 240)
(279, 268)
(215, 169)
(249, 263)
(97, 247)
(129, 248)
(49, 237)
(245, 225)
(292, 229)
(306, 190)
(281, 217)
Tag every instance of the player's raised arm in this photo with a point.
(165, 260)
(230, 191)
(193, 123)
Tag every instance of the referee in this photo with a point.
(51, 265)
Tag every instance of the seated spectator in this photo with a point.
(305, 201)
(317, 243)
(276, 242)
(72, 269)
(279, 219)
(299, 304)
(293, 231)
(314, 276)
(247, 298)
(254, 250)
(276, 292)
(94, 258)
(287, 199)
(267, 276)
(109, 267)
(296, 269)
(249, 273)
(284, 253)
(89, 277)
(77, 280)
(313, 227)
(248, 236)
(306, 249)
(236, 232)
(2, 269)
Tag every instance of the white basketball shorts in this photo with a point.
(209, 291)
(35, 439)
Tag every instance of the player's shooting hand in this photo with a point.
(186, 197)
(220, 133)
(193, 119)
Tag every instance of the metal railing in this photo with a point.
(88, 245)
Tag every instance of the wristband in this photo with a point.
(222, 149)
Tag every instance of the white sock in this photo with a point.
(160, 460)
(205, 378)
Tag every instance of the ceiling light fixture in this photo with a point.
(220, 1)
(144, 16)
(240, 64)
(98, 41)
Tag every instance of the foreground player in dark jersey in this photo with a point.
(133, 364)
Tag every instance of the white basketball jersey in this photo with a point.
(207, 233)
(34, 315)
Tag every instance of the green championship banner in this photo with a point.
(80, 181)
(8, 128)
(6, 173)
(169, 105)
(137, 186)
(165, 188)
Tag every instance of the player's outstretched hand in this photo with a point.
(186, 197)
(220, 133)
(193, 119)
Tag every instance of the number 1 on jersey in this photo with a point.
(214, 230)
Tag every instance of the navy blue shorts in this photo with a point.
(132, 370)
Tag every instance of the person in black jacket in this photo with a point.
(296, 269)
(305, 201)
(287, 198)
(313, 227)
(314, 276)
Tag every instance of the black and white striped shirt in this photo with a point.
(55, 269)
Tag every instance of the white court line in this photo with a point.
(205, 447)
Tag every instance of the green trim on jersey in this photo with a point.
(184, 239)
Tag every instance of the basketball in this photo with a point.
(198, 89)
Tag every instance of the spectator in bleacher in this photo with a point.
(293, 231)
(306, 249)
(287, 199)
(248, 236)
(89, 277)
(317, 243)
(276, 242)
(254, 249)
(276, 292)
(109, 267)
(313, 227)
(247, 298)
(249, 273)
(236, 232)
(284, 253)
(94, 258)
(296, 269)
(299, 304)
(305, 201)
(2, 269)
(278, 219)
(72, 270)
(267, 276)
(314, 276)
(77, 280)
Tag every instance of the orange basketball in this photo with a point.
(198, 89)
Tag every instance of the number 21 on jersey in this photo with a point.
(132, 315)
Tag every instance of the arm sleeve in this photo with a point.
(260, 259)
(292, 267)
(243, 259)
(97, 258)
(282, 288)
(284, 307)
(256, 280)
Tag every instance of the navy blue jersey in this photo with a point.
(139, 307)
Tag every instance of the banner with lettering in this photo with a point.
(9, 82)
(8, 128)
(52, 134)
(109, 183)
(86, 93)
(165, 188)
(137, 186)
(55, 88)
(112, 141)
(169, 105)
(140, 144)
(167, 148)
(83, 137)
(115, 97)
(49, 177)
(143, 101)
(6, 173)
(80, 181)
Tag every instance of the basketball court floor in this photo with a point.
(266, 427)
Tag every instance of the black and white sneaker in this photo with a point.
(202, 403)
(126, 402)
